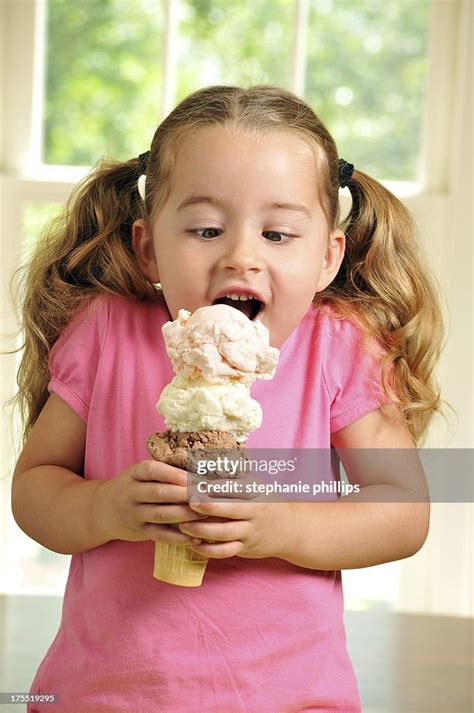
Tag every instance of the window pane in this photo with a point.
(35, 218)
(239, 42)
(103, 75)
(365, 78)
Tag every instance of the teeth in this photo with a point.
(240, 297)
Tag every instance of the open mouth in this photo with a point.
(251, 307)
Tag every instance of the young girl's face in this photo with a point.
(242, 217)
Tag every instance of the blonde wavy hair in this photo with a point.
(383, 283)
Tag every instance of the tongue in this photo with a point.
(244, 306)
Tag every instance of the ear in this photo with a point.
(332, 259)
(142, 243)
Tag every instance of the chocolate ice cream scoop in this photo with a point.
(183, 449)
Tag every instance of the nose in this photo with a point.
(241, 252)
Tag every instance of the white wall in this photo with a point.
(440, 577)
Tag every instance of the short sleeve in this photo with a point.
(75, 356)
(352, 373)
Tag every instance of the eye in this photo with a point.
(275, 236)
(204, 230)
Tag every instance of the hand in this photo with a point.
(141, 503)
(250, 527)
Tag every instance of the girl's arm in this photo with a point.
(67, 514)
(387, 520)
(50, 502)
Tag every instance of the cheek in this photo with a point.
(303, 278)
(177, 255)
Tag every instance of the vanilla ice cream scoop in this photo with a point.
(197, 405)
(220, 343)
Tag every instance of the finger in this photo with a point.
(219, 507)
(153, 493)
(166, 514)
(163, 533)
(246, 488)
(251, 491)
(209, 518)
(253, 488)
(153, 470)
(216, 531)
(241, 488)
(218, 551)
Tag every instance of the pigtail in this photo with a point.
(85, 251)
(385, 284)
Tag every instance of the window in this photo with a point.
(363, 71)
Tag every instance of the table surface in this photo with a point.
(404, 663)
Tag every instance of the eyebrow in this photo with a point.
(212, 200)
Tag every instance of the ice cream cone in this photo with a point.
(178, 564)
(217, 353)
(175, 563)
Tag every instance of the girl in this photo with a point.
(237, 194)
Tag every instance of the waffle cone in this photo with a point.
(174, 563)
(178, 564)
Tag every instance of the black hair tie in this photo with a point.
(143, 162)
(345, 173)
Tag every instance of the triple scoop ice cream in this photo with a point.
(217, 353)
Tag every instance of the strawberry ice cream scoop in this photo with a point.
(219, 343)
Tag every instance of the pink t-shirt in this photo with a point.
(259, 635)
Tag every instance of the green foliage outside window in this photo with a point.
(365, 71)
(103, 79)
(365, 77)
(234, 42)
